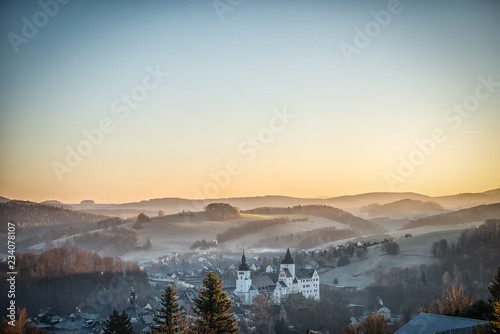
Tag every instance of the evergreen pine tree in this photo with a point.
(168, 314)
(494, 287)
(118, 324)
(211, 306)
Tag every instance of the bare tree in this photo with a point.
(260, 309)
(451, 301)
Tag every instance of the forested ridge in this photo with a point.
(29, 214)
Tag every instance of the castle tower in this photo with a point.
(288, 263)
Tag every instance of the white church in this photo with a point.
(276, 286)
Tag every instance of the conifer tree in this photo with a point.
(211, 307)
(118, 324)
(494, 287)
(168, 314)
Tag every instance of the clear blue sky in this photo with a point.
(353, 119)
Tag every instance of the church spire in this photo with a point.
(288, 257)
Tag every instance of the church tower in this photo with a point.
(244, 289)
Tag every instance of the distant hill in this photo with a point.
(175, 205)
(376, 197)
(402, 208)
(30, 214)
(469, 200)
(475, 214)
(494, 192)
(355, 223)
(3, 199)
(351, 203)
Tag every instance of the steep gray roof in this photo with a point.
(262, 280)
(304, 273)
(274, 277)
(425, 323)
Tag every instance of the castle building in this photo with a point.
(276, 286)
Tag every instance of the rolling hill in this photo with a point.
(475, 214)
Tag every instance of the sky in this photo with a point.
(121, 101)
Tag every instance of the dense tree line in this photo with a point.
(249, 227)
(307, 239)
(478, 213)
(355, 223)
(222, 211)
(110, 222)
(474, 258)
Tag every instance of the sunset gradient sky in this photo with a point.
(232, 75)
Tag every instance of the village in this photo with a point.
(277, 278)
